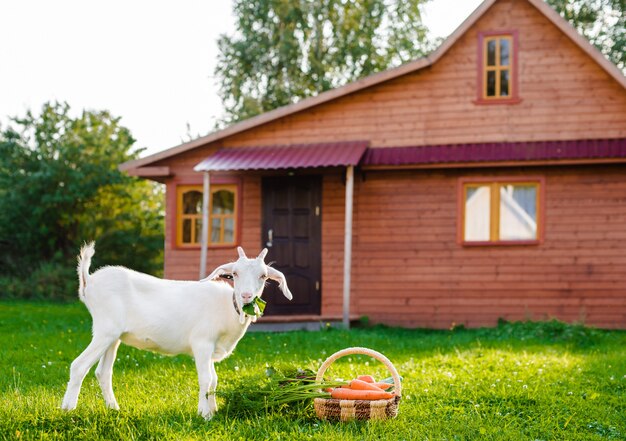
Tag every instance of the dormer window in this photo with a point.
(497, 76)
(497, 68)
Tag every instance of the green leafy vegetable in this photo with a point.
(285, 390)
(389, 380)
(251, 310)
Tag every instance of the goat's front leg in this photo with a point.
(213, 385)
(207, 379)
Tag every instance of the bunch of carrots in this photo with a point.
(364, 387)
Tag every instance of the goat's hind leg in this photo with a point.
(80, 367)
(104, 373)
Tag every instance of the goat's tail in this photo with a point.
(84, 261)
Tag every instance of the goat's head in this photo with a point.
(249, 277)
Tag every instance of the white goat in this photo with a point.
(204, 319)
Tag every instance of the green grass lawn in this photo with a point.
(519, 381)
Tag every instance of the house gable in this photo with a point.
(564, 95)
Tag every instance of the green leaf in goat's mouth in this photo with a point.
(250, 310)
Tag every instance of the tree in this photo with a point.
(60, 186)
(602, 22)
(285, 50)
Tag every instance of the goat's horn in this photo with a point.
(262, 254)
(241, 253)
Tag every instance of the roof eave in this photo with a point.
(494, 164)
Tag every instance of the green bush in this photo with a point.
(66, 189)
(51, 280)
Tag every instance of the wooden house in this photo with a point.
(485, 181)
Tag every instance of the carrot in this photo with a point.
(362, 385)
(383, 386)
(380, 385)
(341, 393)
(366, 378)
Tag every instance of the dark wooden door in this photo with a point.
(292, 235)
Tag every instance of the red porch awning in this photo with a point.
(497, 152)
(335, 154)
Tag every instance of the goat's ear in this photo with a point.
(241, 253)
(224, 269)
(276, 275)
(262, 254)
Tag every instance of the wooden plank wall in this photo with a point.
(410, 271)
(333, 222)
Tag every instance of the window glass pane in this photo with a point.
(504, 52)
(216, 227)
(186, 230)
(192, 202)
(229, 230)
(518, 212)
(491, 53)
(477, 213)
(491, 83)
(223, 202)
(504, 83)
(198, 232)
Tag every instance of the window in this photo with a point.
(497, 68)
(222, 215)
(500, 211)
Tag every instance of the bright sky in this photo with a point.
(149, 62)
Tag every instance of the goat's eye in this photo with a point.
(264, 276)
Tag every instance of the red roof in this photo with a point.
(341, 154)
(497, 151)
(285, 156)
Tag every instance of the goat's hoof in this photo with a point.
(206, 412)
(67, 407)
(113, 406)
(206, 415)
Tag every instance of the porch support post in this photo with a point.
(347, 246)
(204, 240)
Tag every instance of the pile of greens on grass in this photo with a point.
(286, 389)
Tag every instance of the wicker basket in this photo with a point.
(347, 410)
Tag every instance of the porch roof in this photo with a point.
(497, 152)
(285, 156)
